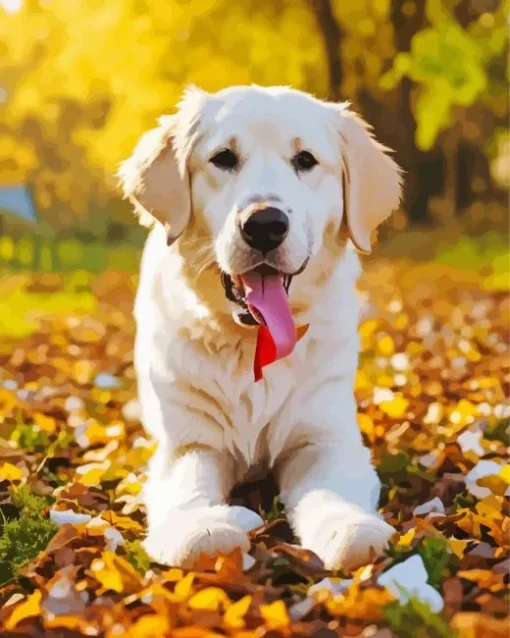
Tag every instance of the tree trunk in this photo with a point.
(331, 33)
(423, 170)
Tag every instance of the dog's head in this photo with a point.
(266, 174)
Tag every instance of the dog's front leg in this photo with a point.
(330, 491)
(185, 497)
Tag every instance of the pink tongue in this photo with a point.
(267, 295)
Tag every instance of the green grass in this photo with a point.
(22, 538)
(137, 556)
(488, 254)
(415, 619)
(33, 252)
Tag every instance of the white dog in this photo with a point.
(258, 198)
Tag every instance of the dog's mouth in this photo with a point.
(238, 289)
(262, 296)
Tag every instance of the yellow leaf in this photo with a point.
(361, 381)
(234, 616)
(275, 615)
(67, 621)
(8, 401)
(490, 507)
(365, 423)
(494, 483)
(173, 575)
(210, 598)
(9, 472)
(150, 625)
(406, 539)
(115, 573)
(464, 413)
(27, 609)
(83, 371)
(476, 575)
(477, 625)
(130, 485)
(129, 489)
(97, 526)
(366, 332)
(122, 522)
(46, 423)
(395, 408)
(401, 321)
(107, 575)
(505, 474)
(385, 346)
(184, 588)
(91, 473)
(458, 547)
(95, 433)
(359, 603)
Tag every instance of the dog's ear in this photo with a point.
(372, 180)
(156, 182)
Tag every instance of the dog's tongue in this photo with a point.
(278, 337)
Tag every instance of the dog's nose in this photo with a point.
(265, 229)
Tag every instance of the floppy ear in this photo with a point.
(372, 180)
(156, 182)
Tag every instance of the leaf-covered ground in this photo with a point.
(432, 392)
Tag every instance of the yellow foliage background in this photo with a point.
(80, 81)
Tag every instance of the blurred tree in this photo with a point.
(431, 76)
(455, 61)
(80, 82)
(331, 33)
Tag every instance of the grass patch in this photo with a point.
(137, 556)
(415, 619)
(487, 254)
(22, 538)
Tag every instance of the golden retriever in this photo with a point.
(246, 312)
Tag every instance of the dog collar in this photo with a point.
(265, 350)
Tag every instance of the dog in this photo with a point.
(258, 199)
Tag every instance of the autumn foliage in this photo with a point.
(432, 391)
(81, 81)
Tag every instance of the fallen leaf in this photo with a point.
(275, 615)
(210, 598)
(27, 609)
(10, 472)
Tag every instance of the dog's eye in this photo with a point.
(226, 159)
(304, 161)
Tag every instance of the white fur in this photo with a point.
(194, 364)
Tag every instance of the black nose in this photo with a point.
(265, 229)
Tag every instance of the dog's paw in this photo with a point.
(189, 533)
(348, 541)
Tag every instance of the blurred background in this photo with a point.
(80, 81)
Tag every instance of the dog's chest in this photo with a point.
(256, 407)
